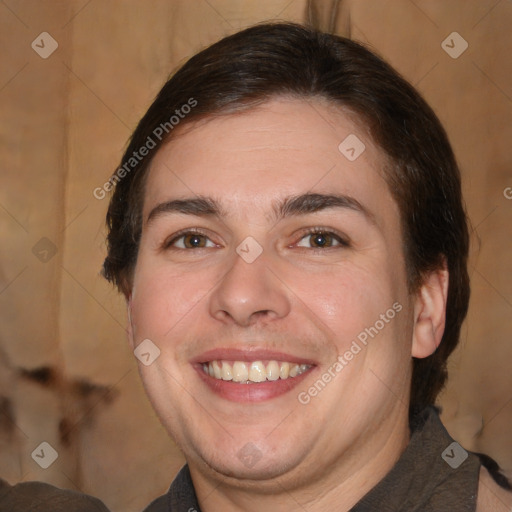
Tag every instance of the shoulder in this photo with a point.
(41, 497)
(492, 497)
(158, 505)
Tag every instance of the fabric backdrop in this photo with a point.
(75, 77)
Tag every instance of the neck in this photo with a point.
(338, 486)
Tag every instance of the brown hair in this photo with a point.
(264, 61)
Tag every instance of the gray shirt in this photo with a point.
(430, 475)
(433, 474)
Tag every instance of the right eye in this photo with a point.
(189, 240)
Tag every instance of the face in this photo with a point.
(271, 277)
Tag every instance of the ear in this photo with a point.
(430, 313)
(129, 329)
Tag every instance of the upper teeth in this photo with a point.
(256, 371)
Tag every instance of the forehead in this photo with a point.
(249, 160)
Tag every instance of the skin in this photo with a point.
(491, 497)
(296, 298)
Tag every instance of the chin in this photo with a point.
(238, 474)
(250, 462)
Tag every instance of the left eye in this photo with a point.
(191, 241)
(320, 240)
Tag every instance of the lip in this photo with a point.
(256, 391)
(256, 354)
(250, 393)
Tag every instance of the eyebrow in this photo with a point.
(198, 206)
(288, 207)
(312, 203)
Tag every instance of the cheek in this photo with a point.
(358, 304)
(347, 298)
(162, 297)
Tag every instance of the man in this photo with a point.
(288, 230)
(293, 249)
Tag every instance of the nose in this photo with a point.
(249, 293)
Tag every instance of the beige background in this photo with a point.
(67, 376)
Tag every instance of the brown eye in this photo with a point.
(190, 241)
(321, 240)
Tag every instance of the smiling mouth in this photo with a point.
(247, 372)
